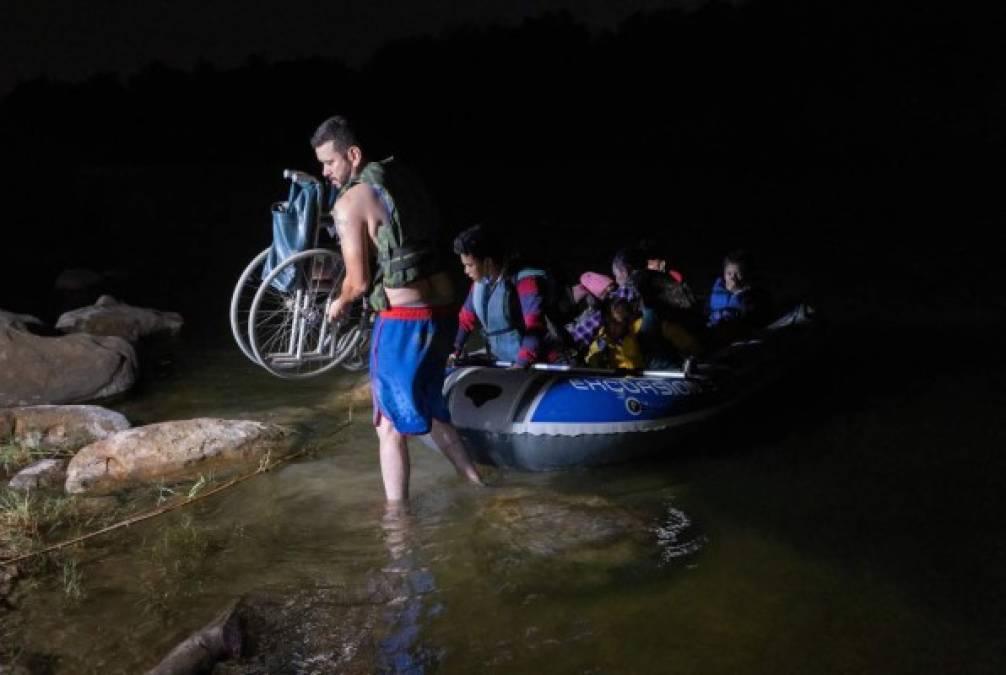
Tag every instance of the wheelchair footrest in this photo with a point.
(290, 360)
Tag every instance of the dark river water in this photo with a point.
(848, 521)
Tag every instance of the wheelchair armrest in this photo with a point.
(299, 176)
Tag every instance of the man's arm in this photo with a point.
(467, 321)
(535, 328)
(353, 214)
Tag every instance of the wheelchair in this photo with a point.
(279, 308)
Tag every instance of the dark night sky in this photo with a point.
(788, 126)
(74, 39)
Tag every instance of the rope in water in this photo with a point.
(264, 466)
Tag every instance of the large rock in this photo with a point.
(108, 316)
(173, 451)
(60, 427)
(45, 473)
(24, 322)
(70, 369)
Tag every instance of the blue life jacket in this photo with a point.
(497, 306)
(724, 305)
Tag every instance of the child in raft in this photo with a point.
(615, 345)
(738, 304)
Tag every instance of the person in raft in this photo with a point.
(738, 303)
(615, 345)
(510, 300)
(382, 212)
(592, 291)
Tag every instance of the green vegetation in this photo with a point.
(73, 588)
(31, 520)
(15, 455)
(27, 518)
(177, 554)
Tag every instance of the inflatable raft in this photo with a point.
(555, 417)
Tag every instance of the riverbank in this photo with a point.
(848, 520)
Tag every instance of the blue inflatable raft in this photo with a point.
(550, 418)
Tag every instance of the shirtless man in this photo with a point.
(382, 212)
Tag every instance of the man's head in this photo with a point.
(338, 150)
(736, 270)
(655, 259)
(627, 261)
(482, 253)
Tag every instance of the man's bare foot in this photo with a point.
(470, 474)
(486, 476)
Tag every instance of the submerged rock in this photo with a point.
(526, 540)
(357, 392)
(542, 524)
(108, 316)
(370, 623)
(338, 629)
(60, 427)
(43, 474)
(70, 369)
(173, 451)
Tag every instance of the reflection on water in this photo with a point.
(411, 582)
(705, 564)
(673, 536)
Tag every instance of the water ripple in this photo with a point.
(676, 536)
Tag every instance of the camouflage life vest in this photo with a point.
(406, 243)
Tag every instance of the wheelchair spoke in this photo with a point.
(288, 331)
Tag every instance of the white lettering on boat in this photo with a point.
(645, 386)
(633, 385)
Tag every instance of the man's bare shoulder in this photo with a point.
(360, 196)
(359, 204)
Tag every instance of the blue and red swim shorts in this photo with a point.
(408, 353)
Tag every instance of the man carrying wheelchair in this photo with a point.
(381, 212)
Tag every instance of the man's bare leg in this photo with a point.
(394, 461)
(447, 439)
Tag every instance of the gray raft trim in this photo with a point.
(597, 428)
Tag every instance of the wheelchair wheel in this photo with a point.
(288, 331)
(241, 301)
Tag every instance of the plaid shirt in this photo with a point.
(628, 293)
(585, 327)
